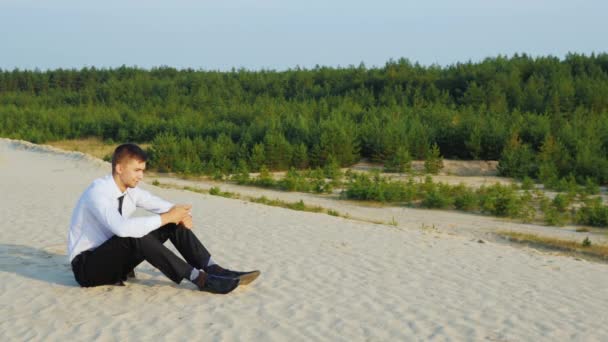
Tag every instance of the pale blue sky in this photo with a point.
(275, 34)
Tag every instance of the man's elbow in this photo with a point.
(121, 233)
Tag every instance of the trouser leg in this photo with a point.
(184, 240)
(108, 263)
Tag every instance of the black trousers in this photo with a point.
(114, 259)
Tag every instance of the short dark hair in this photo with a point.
(125, 151)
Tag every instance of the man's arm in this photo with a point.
(146, 200)
(149, 202)
(105, 210)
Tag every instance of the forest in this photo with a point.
(543, 118)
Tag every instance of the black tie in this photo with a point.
(120, 203)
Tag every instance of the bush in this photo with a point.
(517, 160)
(318, 182)
(293, 181)
(464, 198)
(561, 202)
(553, 217)
(333, 212)
(527, 183)
(361, 186)
(436, 199)
(591, 187)
(433, 161)
(332, 169)
(217, 175)
(265, 178)
(567, 184)
(400, 162)
(586, 242)
(242, 176)
(593, 213)
(297, 205)
(500, 200)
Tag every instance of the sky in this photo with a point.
(283, 34)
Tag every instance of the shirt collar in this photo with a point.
(115, 189)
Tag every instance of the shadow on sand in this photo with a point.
(37, 264)
(50, 267)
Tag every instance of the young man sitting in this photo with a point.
(105, 243)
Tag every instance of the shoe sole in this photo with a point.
(248, 277)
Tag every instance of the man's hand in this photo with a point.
(187, 222)
(177, 214)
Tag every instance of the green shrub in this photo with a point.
(586, 242)
(500, 200)
(318, 181)
(593, 213)
(553, 217)
(436, 199)
(517, 160)
(464, 198)
(297, 205)
(527, 183)
(433, 161)
(332, 169)
(333, 212)
(217, 175)
(561, 202)
(591, 187)
(292, 181)
(242, 176)
(567, 184)
(265, 179)
(400, 162)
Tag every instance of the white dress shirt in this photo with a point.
(96, 218)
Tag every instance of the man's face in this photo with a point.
(131, 171)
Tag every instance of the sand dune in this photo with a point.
(324, 278)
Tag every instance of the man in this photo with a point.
(105, 244)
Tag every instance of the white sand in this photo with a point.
(324, 278)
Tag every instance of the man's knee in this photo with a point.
(148, 239)
(169, 226)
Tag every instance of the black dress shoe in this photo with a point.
(244, 277)
(215, 284)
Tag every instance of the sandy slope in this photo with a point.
(324, 278)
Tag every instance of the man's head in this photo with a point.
(128, 165)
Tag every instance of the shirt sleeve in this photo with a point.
(105, 210)
(149, 202)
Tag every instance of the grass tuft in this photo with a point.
(586, 248)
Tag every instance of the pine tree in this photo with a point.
(258, 157)
(400, 162)
(433, 162)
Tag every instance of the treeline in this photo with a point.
(544, 117)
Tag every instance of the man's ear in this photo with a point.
(118, 168)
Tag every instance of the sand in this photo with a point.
(324, 278)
